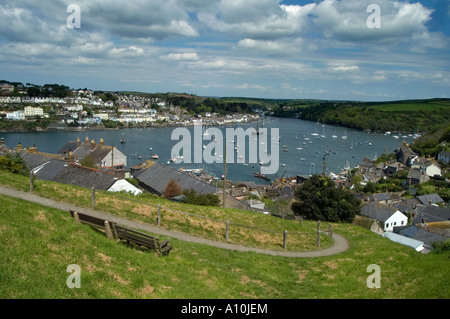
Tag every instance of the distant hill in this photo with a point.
(396, 116)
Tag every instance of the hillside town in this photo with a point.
(88, 109)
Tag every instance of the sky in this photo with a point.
(290, 49)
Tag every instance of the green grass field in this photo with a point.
(413, 106)
(39, 243)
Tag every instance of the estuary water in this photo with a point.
(301, 146)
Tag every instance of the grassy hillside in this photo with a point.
(38, 243)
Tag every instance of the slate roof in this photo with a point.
(34, 160)
(69, 146)
(431, 214)
(50, 170)
(430, 198)
(378, 211)
(85, 177)
(62, 172)
(419, 234)
(157, 176)
(406, 205)
(380, 197)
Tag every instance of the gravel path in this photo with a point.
(340, 243)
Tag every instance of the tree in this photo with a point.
(172, 189)
(318, 198)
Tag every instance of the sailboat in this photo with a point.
(345, 136)
(205, 132)
(122, 140)
(258, 130)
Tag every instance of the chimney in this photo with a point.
(102, 142)
(19, 146)
(87, 140)
(33, 149)
(92, 145)
(78, 142)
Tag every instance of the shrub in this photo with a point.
(14, 163)
(201, 199)
(172, 189)
(442, 247)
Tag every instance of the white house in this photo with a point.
(387, 216)
(33, 111)
(15, 115)
(432, 169)
(396, 219)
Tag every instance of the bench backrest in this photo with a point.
(90, 220)
(136, 237)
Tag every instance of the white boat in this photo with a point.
(334, 136)
(302, 159)
(155, 157)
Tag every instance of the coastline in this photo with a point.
(103, 128)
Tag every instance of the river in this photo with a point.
(301, 147)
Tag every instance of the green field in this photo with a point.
(411, 106)
(39, 243)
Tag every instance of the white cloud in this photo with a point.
(343, 68)
(256, 19)
(279, 47)
(188, 56)
(346, 20)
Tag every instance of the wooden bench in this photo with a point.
(93, 221)
(142, 239)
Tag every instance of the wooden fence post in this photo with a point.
(31, 181)
(285, 239)
(227, 229)
(330, 231)
(109, 234)
(76, 217)
(93, 197)
(159, 215)
(318, 234)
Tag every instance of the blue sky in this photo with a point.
(319, 49)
